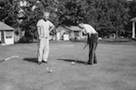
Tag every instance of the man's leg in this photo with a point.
(46, 50)
(95, 46)
(95, 59)
(90, 55)
(40, 49)
(90, 49)
(93, 53)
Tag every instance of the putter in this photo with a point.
(8, 58)
(85, 46)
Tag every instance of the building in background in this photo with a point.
(69, 33)
(133, 20)
(6, 34)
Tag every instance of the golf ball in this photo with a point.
(50, 71)
(47, 68)
(72, 63)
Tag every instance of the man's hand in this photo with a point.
(39, 38)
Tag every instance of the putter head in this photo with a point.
(85, 46)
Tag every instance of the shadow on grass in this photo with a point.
(72, 60)
(30, 60)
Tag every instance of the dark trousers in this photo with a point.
(92, 41)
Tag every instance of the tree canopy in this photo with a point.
(106, 16)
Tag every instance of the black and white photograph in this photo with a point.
(67, 44)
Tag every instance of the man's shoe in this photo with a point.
(44, 61)
(89, 63)
(39, 63)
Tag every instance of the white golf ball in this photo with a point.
(72, 63)
(50, 71)
(47, 68)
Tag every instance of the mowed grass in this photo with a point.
(116, 68)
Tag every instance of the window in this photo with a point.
(9, 34)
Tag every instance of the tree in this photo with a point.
(104, 15)
(110, 16)
(131, 5)
(9, 10)
(70, 11)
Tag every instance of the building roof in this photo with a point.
(133, 19)
(59, 28)
(4, 26)
(69, 28)
(74, 28)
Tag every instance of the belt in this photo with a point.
(94, 34)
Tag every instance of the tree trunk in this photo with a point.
(116, 36)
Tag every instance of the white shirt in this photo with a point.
(89, 29)
(44, 27)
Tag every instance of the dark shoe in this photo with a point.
(89, 63)
(44, 61)
(39, 63)
(95, 62)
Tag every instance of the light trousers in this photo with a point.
(43, 49)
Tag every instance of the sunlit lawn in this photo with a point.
(116, 68)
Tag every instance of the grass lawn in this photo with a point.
(116, 68)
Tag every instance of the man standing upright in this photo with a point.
(44, 27)
(92, 41)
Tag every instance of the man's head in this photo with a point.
(81, 25)
(46, 15)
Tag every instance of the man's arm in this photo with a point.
(84, 31)
(51, 28)
(39, 32)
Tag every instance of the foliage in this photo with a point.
(112, 16)
(70, 11)
(9, 11)
(106, 16)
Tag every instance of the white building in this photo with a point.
(6, 34)
(133, 27)
(69, 33)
